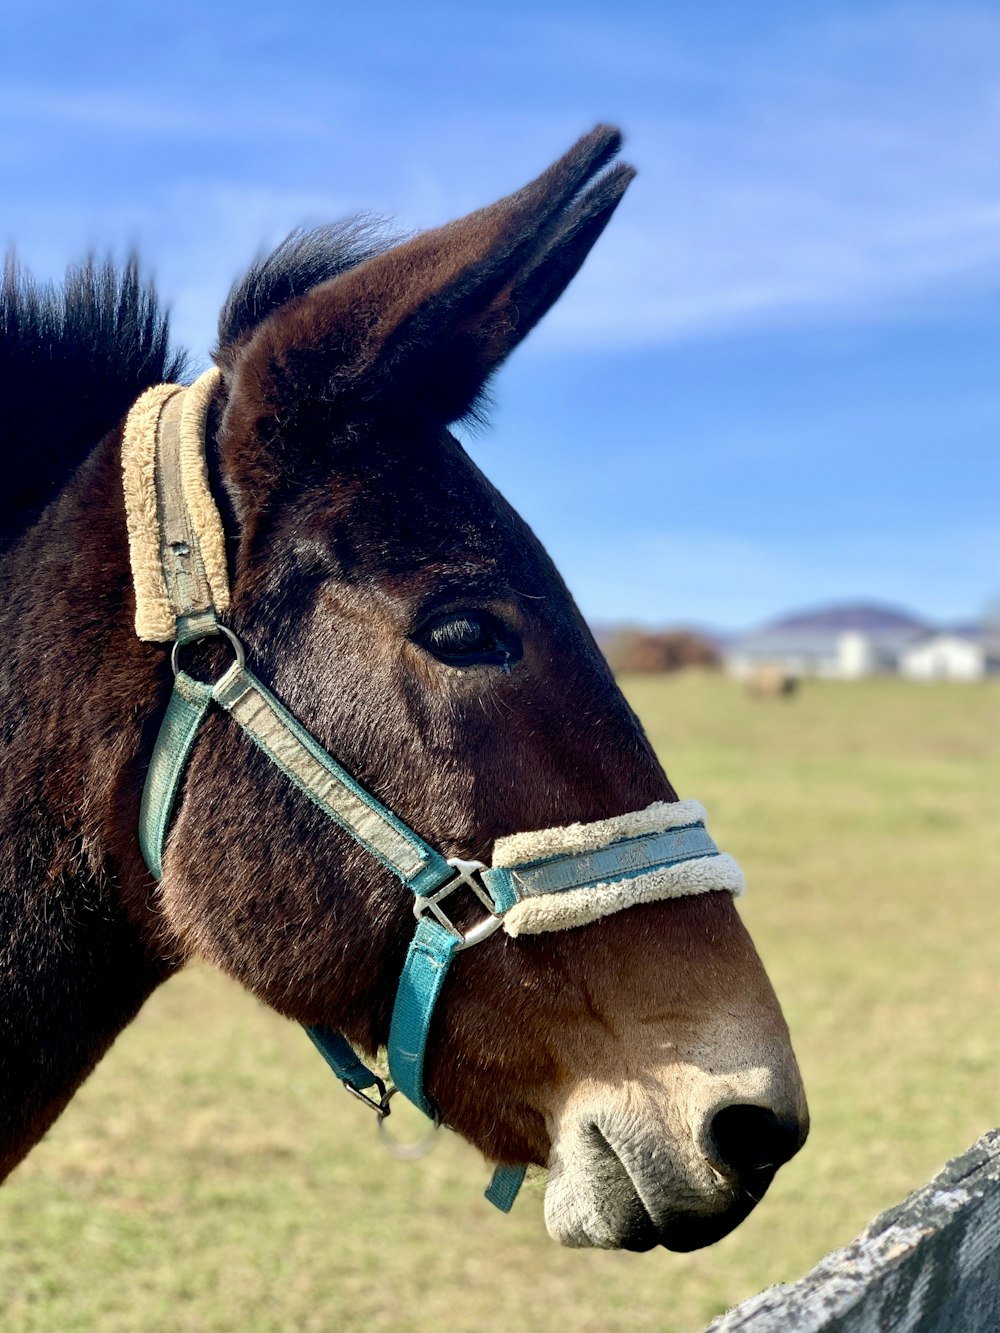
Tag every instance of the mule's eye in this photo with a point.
(470, 638)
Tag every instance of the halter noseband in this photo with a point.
(539, 881)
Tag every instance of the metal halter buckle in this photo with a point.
(466, 876)
(380, 1107)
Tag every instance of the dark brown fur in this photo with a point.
(352, 513)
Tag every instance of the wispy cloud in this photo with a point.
(859, 172)
(811, 168)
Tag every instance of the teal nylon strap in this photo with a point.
(504, 1186)
(292, 749)
(427, 961)
(340, 1055)
(185, 713)
(622, 860)
(300, 757)
(198, 625)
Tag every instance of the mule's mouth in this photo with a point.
(632, 1197)
(691, 1231)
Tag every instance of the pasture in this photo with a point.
(213, 1176)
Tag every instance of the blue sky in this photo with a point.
(776, 382)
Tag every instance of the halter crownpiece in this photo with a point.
(177, 545)
(552, 879)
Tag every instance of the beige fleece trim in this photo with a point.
(579, 907)
(519, 849)
(154, 616)
(202, 512)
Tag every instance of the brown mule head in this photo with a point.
(408, 617)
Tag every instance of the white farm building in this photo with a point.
(847, 643)
(947, 657)
(834, 654)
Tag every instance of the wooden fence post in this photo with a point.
(929, 1265)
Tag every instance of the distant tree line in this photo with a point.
(653, 651)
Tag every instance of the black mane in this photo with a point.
(302, 261)
(74, 358)
(72, 361)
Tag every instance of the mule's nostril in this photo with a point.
(753, 1138)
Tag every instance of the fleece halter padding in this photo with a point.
(552, 879)
(177, 546)
(576, 874)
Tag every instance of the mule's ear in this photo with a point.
(425, 324)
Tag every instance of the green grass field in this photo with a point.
(211, 1175)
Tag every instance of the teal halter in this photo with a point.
(158, 446)
(422, 869)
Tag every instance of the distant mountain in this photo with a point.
(718, 638)
(866, 616)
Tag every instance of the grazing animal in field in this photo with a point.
(771, 682)
(402, 612)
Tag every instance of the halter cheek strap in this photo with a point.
(330, 787)
(553, 879)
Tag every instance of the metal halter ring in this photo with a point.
(234, 643)
(405, 1152)
(466, 876)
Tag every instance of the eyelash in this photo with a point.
(470, 638)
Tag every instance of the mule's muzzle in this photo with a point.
(619, 1179)
(681, 1229)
